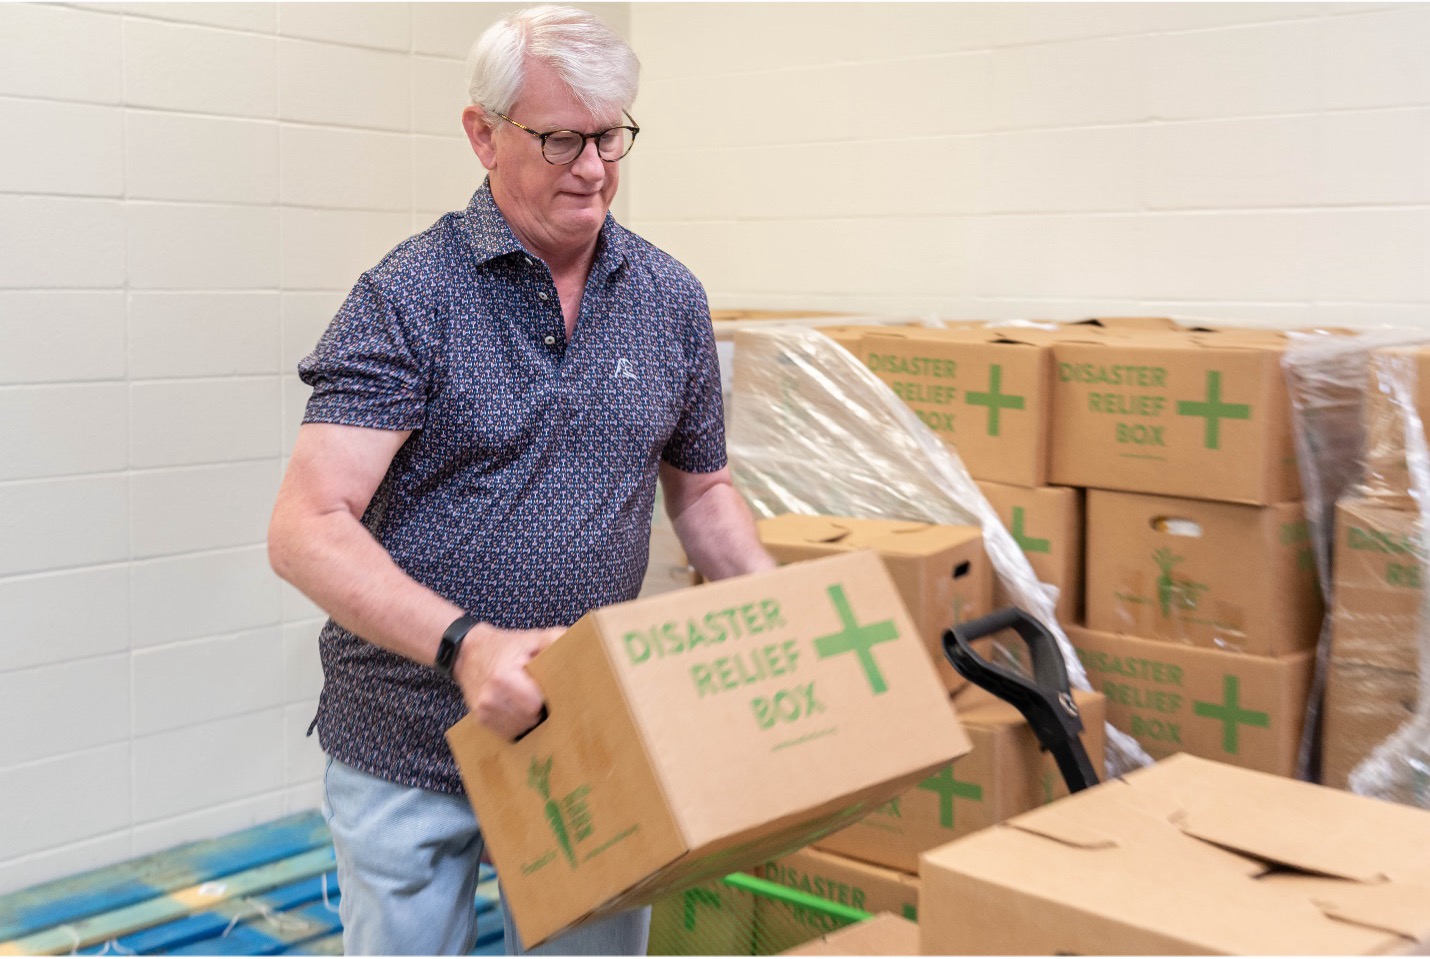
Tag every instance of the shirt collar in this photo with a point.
(490, 236)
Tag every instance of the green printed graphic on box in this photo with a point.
(1231, 714)
(1402, 570)
(765, 666)
(1298, 534)
(569, 818)
(920, 395)
(1147, 687)
(1145, 398)
(947, 788)
(1213, 410)
(824, 887)
(1026, 543)
(994, 399)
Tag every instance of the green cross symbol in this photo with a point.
(1027, 543)
(947, 788)
(1214, 410)
(694, 898)
(854, 638)
(1230, 714)
(994, 399)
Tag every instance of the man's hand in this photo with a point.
(491, 671)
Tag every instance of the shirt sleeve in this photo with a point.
(698, 443)
(372, 365)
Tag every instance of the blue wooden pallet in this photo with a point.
(264, 891)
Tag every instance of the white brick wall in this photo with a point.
(1260, 162)
(187, 192)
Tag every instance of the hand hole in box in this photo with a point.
(1177, 526)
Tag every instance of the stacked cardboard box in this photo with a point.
(986, 392)
(941, 572)
(1186, 857)
(1373, 674)
(1202, 602)
(848, 882)
(884, 935)
(1005, 773)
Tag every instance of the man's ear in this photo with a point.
(480, 135)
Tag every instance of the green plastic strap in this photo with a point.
(773, 890)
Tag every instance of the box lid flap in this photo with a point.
(1068, 830)
(1399, 908)
(1332, 833)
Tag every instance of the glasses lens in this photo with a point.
(562, 146)
(614, 144)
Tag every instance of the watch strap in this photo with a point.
(451, 643)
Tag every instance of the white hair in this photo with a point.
(592, 59)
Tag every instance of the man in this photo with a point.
(491, 408)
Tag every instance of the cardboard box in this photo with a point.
(1220, 575)
(941, 572)
(780, 925)
(1186, 857)
(693, 733)
(1047, 523)
(1244, 710)
(884, 935)
(984, 392)
(1202, 415)
(711, 919)
(1364, 706)
(1005, 773)
(1375, 618)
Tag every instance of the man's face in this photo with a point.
(556, 208)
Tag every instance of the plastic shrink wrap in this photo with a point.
(813, 431)
(1359, 405)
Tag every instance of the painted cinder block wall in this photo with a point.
(1267, 163)
(187, 192)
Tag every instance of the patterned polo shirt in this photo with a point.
(525, 491)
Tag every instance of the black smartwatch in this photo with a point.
(452, 643)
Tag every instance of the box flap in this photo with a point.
(1333, 833)
(1068, 830)
(1399, 908)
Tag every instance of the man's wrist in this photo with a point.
(451, 643)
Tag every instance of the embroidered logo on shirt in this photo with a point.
(624, 368)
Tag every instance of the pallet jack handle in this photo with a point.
(1045, 701)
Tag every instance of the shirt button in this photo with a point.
(543, 296)
(528, 261)
(550, 340)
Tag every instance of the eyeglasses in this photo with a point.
(561, 147)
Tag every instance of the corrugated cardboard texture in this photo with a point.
(941, 572)
(1219, 575)
(1244, 710)
(884, 935)
(778, 925)
(1201, 415)
(1376, 615)
(984, 392)
(1364, 706)
(1186, 857)
(1047, 523)
(1005, 773)
(697, 732)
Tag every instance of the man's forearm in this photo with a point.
(719, 536)
(334, 561)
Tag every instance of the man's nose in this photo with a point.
(588, 163)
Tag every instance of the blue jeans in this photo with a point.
(407, 866)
